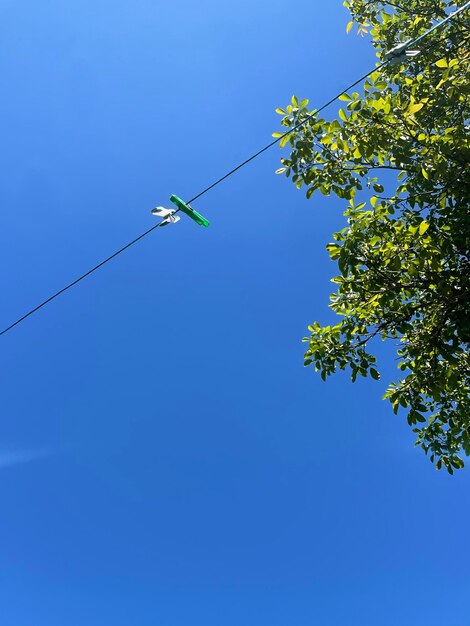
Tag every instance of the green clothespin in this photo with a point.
(190, 212)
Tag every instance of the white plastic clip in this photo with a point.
(168, 215)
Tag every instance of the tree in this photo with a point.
(398, 157)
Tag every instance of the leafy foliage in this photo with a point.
(399, 156)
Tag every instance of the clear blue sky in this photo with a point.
(165, 459)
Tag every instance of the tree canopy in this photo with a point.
(398, 158)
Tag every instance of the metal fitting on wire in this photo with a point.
(400, 53)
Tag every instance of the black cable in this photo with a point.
(235, 169)
(93, 269)
(288, 132)
(327, 104)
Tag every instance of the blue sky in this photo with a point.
(164, 456)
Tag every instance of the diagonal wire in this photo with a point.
(405, 47)
(288, 132)
(77, 280)
(238, 167)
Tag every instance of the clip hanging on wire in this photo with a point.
(190, 212)
(400, 53)
(168, 215)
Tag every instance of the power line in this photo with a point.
(401, 49)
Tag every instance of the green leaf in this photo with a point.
(374, 373)
(414, 108)
(423, 227)
(334, 250)
(441, 63)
